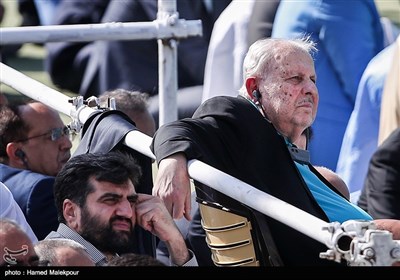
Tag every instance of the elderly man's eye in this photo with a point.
(295, 80)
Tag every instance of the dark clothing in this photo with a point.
(380, 196)
(34, 194)
(131, 65)
(231, 135)
(95, 67)
(134, 64)
(66, 61)
(28, 12)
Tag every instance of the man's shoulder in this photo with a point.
(16, 171)
(14, 176)
(225, 99)
(222, 103)
(228, 108)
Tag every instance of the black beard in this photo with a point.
(103, 237)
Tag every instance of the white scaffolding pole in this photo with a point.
(167, 66)
(260, 201)
(123, 31)
(42, 93)
(100, 31)
(167, 29)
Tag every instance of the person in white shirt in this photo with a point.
(226, 51)
(10, 209)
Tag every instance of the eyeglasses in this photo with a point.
(55, 134)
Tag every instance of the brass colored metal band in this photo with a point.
(229, 237)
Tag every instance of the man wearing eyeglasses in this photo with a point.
(34, 146)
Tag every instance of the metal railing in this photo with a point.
(168, 28)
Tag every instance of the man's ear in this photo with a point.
(14, 156)
(71, 213)
(251, 85)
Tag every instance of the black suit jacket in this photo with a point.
(231, 135)
(380, 196)
(66, 61)
(34, 194)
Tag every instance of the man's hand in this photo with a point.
(153, 216)
(172, 185)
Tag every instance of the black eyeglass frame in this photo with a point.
(55, 134)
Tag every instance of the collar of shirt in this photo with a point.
(98, 257)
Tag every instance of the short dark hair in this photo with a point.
(12, 128)
(72, 182)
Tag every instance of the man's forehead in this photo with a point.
(16, 239)
(39, 111)
(33, 114)
(297, 64)
(105, 186)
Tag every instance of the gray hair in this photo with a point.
(46, 249)
(126, 100)
(261, 55)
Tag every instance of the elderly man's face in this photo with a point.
(291, 98)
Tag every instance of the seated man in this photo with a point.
(98, 207)
(251, 137)
(34, 145)
(9, 209)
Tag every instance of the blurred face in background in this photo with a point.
(48, 146)
(16, 248)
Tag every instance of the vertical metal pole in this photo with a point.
(167, 65)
